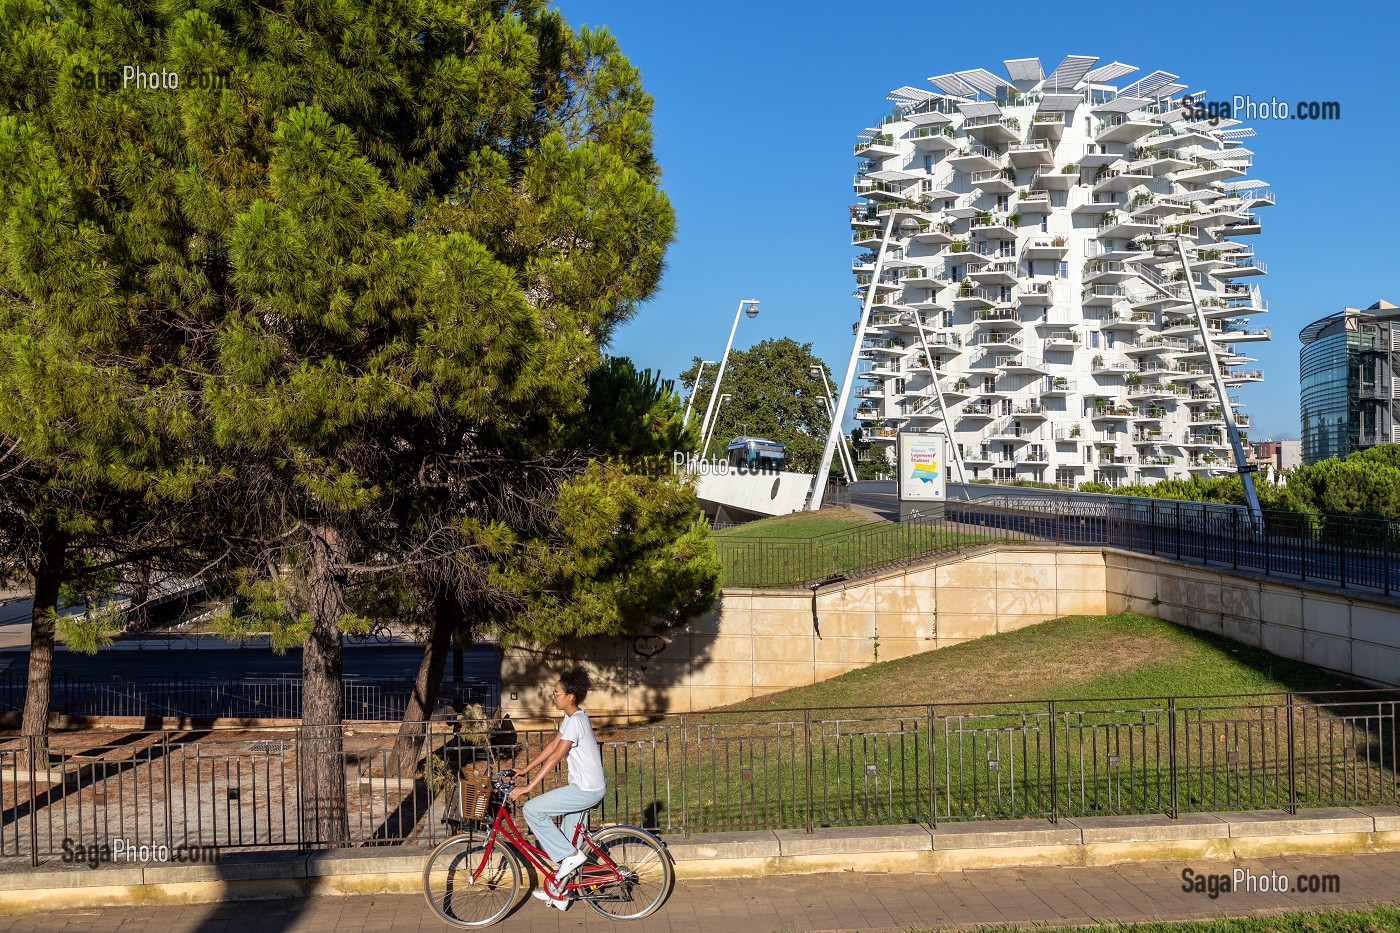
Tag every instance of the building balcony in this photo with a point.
(979, 410)
(997, 272)
(1058, 386)
(1062, 340)
(1035, 295)
(1101, 366)
(1242, 267)
(975, 158)
(1035, 455)
(1117, 180)
(1000, 339)
(1103, 295)
(1052, 248)
(880, 146)
(1205, 173)
(1048, 125)
(1031, 409)
(933, 138)
(1237, 377)
(993, 227)
(1102, 272)
(1049, 179)
(980, 456)
(1012, 429)
(999, 182)
(1031, 155)
(1125, 128)
(993, 131)
(1034, 202)
(1126, 227)
(1101, 205)
(866, 237)
(869, 414)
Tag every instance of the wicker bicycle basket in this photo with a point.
(475, 784)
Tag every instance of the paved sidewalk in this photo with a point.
(826, 902)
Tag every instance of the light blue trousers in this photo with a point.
(570, 802)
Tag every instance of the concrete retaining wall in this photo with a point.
(1333, 630)
(763, 641)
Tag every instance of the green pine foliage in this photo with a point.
(351, 293)
(1365, 483)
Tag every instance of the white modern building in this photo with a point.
(1028, 300)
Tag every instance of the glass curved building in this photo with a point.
(1350, 381)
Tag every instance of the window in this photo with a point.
(1094, 339)
(1004, 474)
(1062, 270)
(899, 387)
(1044, 223)
(1088, 453)
(1108, 339)
(949, 205)
(1003, 202)
(928, 167)
(989, 383)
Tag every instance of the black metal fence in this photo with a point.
(234, 696)
(1345, 551)
(716, 771)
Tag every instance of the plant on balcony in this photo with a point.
(1060, 382)
(1023, 193)
(1143, 197)
(1009, 173)
(1134, 380)
(1014, 220)
(1070, 169)
(1057, 241)
(1075, 431)
(1097, 361)
(957, 246)
(962, 385)
(965, 288)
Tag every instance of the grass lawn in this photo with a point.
(1384, 919)
(957, 734)
(804, 547)
(797, 525)
(1076, 657)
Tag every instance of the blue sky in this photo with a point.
(758, 105)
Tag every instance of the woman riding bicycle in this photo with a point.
(586, 786)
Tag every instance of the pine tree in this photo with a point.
(376, 251)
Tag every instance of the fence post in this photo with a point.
(1303, 562)
(1264, 532)
(1292, 763)
(1054, 770)
(1171, 756)
(685, 767)
(1385, 556)
(1235, 539)
(807, 736)
(34, 741)
(1152, 529)
(169, 793)
(1178, 531)
(1341, 560)
(932, 773)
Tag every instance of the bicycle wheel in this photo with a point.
(461, 896)
(645, 866)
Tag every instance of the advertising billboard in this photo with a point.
(923, 474)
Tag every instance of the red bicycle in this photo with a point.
(472, 880)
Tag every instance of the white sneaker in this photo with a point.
(540, 894)
(569, 865)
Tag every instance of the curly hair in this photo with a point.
(576, 683)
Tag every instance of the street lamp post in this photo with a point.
(1232, 430)
(705, 441)
(694, 391)
(747, 306)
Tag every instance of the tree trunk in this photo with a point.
(324, 820)
(448, 619)
(137, 617)
(48, 577)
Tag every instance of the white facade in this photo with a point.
(1026, 214)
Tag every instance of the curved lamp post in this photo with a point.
(695, 390)
(747, 306)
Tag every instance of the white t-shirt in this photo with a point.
(585, 761)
